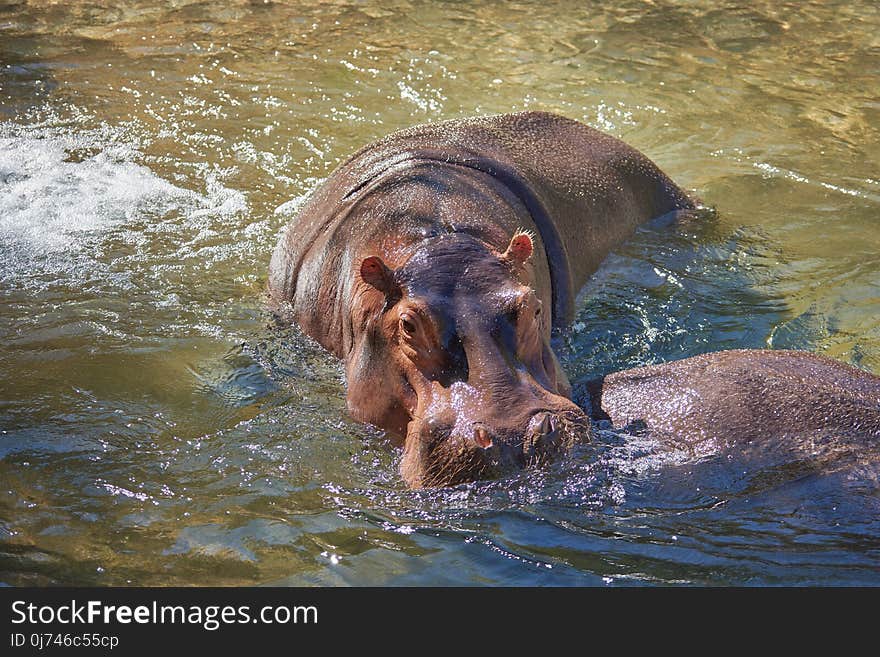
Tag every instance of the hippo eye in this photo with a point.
(538, 312)
(407, 325)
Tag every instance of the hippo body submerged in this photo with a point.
(742, 397)
(424, 262)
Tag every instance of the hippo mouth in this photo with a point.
(548, 436)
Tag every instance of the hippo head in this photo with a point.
(451, 351)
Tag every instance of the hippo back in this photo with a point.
(743, 396)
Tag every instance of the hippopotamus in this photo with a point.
(435, 263)
(742, 398)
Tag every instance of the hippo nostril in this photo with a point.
(544, 424)
(482, 438)
(544, 427)
(548, 425)
(543, 436)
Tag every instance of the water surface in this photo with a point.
(157, 426)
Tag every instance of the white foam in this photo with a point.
(62, 191)
(47, 202)
(291, 207)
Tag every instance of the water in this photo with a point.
(156, 426)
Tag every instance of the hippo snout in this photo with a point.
(446, 454)
(493, 452)
(546, 435)
(542, 439)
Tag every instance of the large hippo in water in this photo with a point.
(435, 262)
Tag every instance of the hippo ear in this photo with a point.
(376, 273)
(520, 248)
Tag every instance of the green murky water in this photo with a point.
(157, 428)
